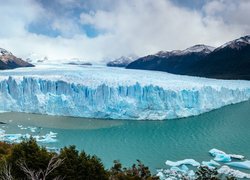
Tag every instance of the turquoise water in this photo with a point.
(153, 142)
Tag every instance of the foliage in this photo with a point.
(5, 149)
(136, 172)
(27, 160)
(32, 154)
(78, 166)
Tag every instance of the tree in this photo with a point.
(34, 156)
(41, 174)
(136, 172)
(78, 166)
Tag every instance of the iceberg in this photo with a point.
(224, 157)
(183, 162)
(232, 172)
(103, 92)
(244, 164)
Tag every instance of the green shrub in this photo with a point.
(29, 152)
(27, 159)
(80, 166)
(136, 172)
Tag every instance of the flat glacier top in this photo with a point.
(93, 76)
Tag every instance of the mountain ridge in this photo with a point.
(229, 61)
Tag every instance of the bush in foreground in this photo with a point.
(27, 160)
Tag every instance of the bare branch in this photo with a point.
(41, 175)
(53, 164)
(6, 172)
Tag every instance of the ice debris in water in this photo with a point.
(179, 170)
(53, 149)
(48, 138)
(31, 128)
(232, 172)
(210, 164)
(16, 138)
(185, 161)
(244, 164)
(224, 157)
(175, 173)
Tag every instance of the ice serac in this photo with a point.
(114, 93)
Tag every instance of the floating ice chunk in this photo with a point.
(52, 134)
(220, 155)
(32, 129)
(214, 152)
(176, 169)
(160, 175)
(191, 173)
(224, 157)
(210, 164)
(184, 167)
(235, 173)
(236, 156)
(53, 149)
(47, 138)
(245, 164)
(185, 161)
(12, 138)
(175, 173)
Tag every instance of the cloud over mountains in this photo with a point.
(95, 29)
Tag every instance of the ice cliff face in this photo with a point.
(114, 93)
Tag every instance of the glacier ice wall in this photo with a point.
(134, 100)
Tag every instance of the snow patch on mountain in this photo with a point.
(200, 48)
(123, 61)
(4, 52)
(237, 43)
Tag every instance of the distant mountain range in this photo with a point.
(122, 61)
(229, 61)
(9, 61)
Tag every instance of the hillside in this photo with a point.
(9, 61)
(229, 61)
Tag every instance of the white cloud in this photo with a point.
(132, 26)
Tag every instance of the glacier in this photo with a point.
(114, 93)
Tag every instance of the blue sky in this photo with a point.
(96, 30)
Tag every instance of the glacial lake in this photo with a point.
(152, 142)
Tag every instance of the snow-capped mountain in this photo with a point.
(122, 61)
(9, 61)
(199, 48)
(172, 61)
(229, 61)
(237, 43)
